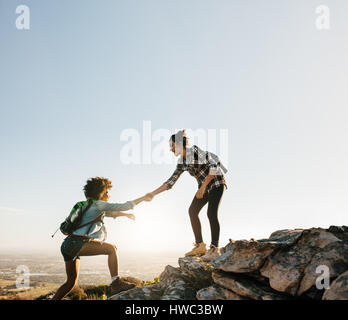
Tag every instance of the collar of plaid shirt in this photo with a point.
(189, 159)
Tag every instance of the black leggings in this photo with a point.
(213, 199)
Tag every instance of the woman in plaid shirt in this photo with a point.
(209, 173)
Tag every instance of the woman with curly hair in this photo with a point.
(88, 238)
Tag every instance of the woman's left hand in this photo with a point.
(131, 216)
(200, 193)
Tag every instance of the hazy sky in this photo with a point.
(88, 70)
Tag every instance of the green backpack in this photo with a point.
(72, 222)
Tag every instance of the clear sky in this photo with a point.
(88, 70)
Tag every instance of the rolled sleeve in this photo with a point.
(174, 177)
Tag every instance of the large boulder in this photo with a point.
(245, 256)
(334, 256)
(246, 287)
(285, 268)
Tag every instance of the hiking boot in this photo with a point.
(212, 253)
(119, 285)
(198, 250)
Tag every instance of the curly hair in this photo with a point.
(96, 187)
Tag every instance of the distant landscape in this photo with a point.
(47, 272)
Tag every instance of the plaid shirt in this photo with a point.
(199, 164)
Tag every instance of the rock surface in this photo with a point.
(338, 289)
(286, 268)
(282, 267)
(216, 292)
(246, 287)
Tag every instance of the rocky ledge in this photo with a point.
(282, 267)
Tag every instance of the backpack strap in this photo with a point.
(93, 222)
(89, 204)
(90, 223)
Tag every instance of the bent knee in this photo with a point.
(111, 248)
(71, 283)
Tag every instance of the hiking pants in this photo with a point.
(213, 199)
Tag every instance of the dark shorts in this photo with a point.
(70, 248)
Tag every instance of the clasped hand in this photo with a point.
(149, 196)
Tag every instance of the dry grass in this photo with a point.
(44, 291)
(8, 290)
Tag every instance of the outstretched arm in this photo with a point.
(169, 183)
(162, 188)
(124, 214)
(113, 209)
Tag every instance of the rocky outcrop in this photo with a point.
(174, 283)
(285, 266)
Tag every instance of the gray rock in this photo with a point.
(169, 273)
(334, 256)
(176, 284)
(152, 292)
(287, 236)
(245, 256)
(338, 229)
(216, 292)
(179, 290)
(338, 289)
(196, 269)
(246, 287)
(285, 268)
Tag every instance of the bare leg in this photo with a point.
(93, 248)
(72, 271)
